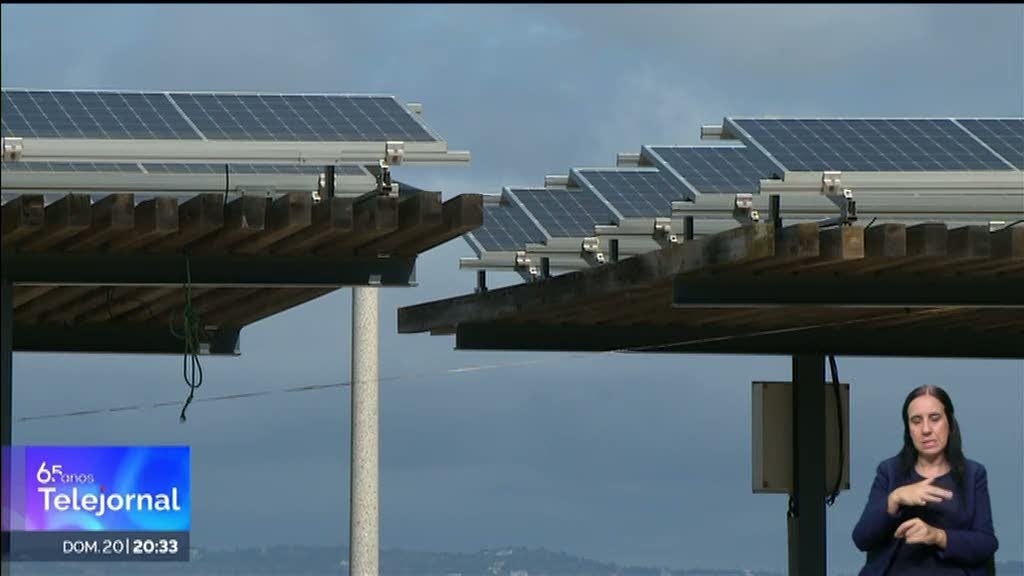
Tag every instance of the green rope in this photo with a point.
(192, 370)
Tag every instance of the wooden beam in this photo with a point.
(373, 217)
(31, 312)
(967, 245)
(87, 299)
(924, 243)
(22, 217)
(268, 303)
(1007, 253)
(155, 219)
(286, 215)
(729, 249)
(111, 217)
(145, 305)
(65, 217)
(459, 215)
(794, 245)
(26, 294)
(243, 217)
(417, 215)
(331, 220)
(197, 217)
(853, 340)
(570, 289)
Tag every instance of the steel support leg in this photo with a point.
(364, 531)
(807, 525)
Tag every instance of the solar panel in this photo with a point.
(132, 168)
(211, 116)
(634, 192)
(342, 170)
(506, 227)
(720, 169)
(564, 213)
(1004, 136)
(101, 115)
(311, 118)
(898, 145)
(63, 167)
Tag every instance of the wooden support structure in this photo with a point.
(82, 269)
(747, 289)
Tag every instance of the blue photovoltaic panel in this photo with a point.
(1005, 136)
(311, 118)
(898, 145)
(506, 228)
(565, 213)
(52, 167)
(343, 170)
(636, 193)
(722, 169)
(100, 115)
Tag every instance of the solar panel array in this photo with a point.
(898, 145)
(249, 169)
(323, 118)
(768, 148)
(564, 213)
(634, 193)
(506, 227)
(73, 167)
(210, 116)
(714, 170)
(156, 168)
(101, 115)
(1004, 136)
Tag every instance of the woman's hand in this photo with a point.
(916, 531)
(917, 494)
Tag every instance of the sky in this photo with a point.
(636, 459)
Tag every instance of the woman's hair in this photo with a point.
(954, 446)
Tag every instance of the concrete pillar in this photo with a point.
(364, 503)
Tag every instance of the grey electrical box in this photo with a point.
(772, 419)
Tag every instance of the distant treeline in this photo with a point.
(324, 560)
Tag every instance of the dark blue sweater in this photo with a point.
(970, 540)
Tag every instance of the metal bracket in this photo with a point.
(663, 232)
(590, 250)
(394, 152)
(13, 148)
(525, 268)
(832, 188)
(743, 209)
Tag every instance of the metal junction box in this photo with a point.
(772, 450)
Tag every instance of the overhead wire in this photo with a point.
(465, 369)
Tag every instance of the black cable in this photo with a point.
(1014, 223)
(870, 223)
(190, 359)
(830, 500)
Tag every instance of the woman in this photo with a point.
(928, 511)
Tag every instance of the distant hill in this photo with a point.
(324, 560)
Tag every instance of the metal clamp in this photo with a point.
(13, 148)
(590, 249)
(832, 188)
(743, 209)
(394, 152)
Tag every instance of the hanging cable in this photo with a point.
(831, 498)
(192, 370)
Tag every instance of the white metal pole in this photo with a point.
(364, 531)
